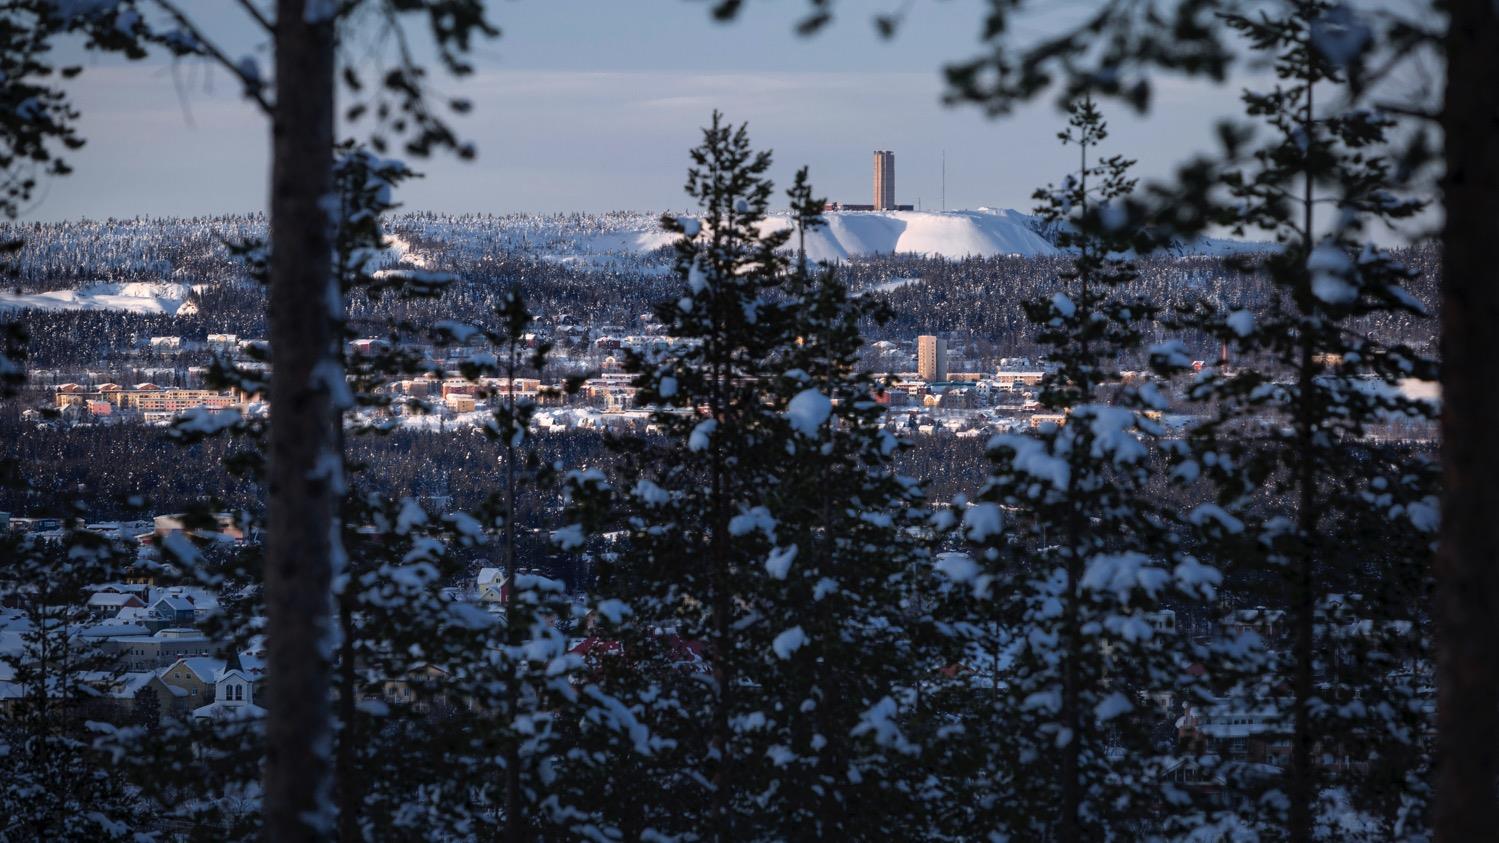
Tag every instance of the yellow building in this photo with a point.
(461, 403)
(931, 358)
(148, 397)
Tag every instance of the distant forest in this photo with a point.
(102, 468)
(976, 301)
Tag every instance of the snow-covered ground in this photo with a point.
(138, 297)
(893, 284)
(398, 250)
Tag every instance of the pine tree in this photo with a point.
(303, 319)
(405, 648)
(57, 785)
(697, 511)
(529, 684)
(470, 687)
(1343, 518)
(1079, 573)
(434, 696)
(843, 649)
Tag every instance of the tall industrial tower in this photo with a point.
(884, 180)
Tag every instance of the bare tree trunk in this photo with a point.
(1467, 565)
(305, 465)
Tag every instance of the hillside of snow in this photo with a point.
(598, 239)
(848, 234)
(137, 297)
(637, 238)
(952, 234)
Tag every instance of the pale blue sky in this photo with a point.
(592, 104)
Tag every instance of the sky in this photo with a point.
(592, 105)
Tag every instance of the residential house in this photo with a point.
(1267, 623)
(108, 604)
(174, 609)
(225, 529)
(493, 586)
(128, 689)
(202, 602)
(138, 615)
(194, 676)
(420, 688)
(1237, 730)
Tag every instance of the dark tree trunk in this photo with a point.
(304, 458)
(1303, 788)
(724, 673)
(515, 812)
(350, 787)
(1467, 565)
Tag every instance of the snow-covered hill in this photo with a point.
(985, 232)
(637, 238)
(139, 297)
(951, 234)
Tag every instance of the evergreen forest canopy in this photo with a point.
(755, 622)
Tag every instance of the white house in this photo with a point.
(109, 603)
(493, 585)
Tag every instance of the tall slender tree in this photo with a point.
(1345, 518)
(305, 463)
(698, 515)
(529, 682)
(844, 650)
(57, 785)
(1467, 568)
(305, 305)
(1083, 571)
